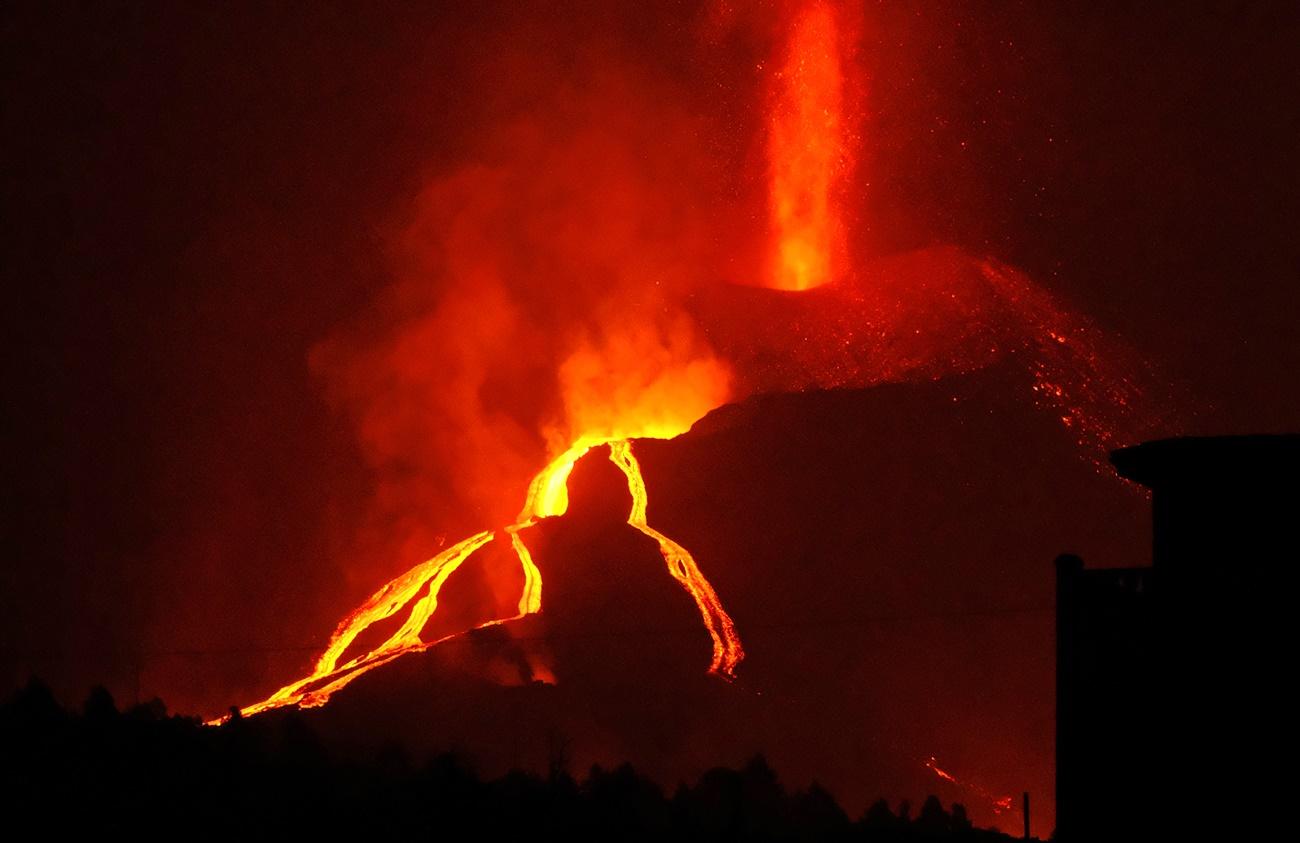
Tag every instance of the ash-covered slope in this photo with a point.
(886, 556)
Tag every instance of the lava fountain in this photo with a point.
(808, 154)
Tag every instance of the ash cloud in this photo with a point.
(578, 224)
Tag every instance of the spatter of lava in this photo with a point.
(929, 314)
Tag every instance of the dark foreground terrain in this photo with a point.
(146, 773)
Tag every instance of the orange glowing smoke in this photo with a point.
(808, 156)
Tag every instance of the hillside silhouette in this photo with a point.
(147, 773)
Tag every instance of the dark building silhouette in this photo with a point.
(1105, 649)
(1173, 714)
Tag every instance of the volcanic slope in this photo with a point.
(886, 555)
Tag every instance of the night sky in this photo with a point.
(206, 209)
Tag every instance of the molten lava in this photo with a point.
(328, 675)
(727, 651)
(418, 588)
(808, 157)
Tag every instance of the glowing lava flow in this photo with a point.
(997, 803)
(547, 496)
(328, 675)
(727, 651)
(807, 154)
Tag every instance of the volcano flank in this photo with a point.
(847, 532)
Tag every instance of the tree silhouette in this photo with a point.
(933, 819)
(148, 774)
(878, 817)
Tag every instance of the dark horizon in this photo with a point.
(275, 774)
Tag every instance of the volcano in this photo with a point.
(750, 463)
(937, 632)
